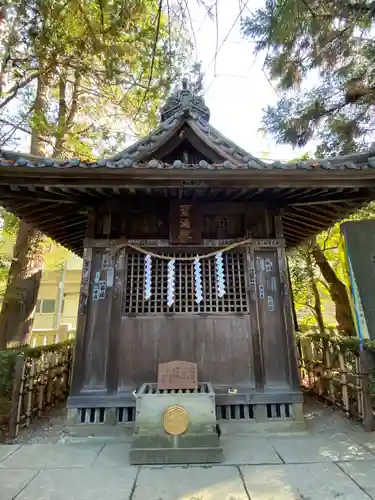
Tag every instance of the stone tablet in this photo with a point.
(178, 375)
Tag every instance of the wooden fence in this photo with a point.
(339, 372)
(41, 380)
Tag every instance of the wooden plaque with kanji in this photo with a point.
(177, 375)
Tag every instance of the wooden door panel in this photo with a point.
(221, 345)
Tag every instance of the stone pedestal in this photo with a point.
(175, 427)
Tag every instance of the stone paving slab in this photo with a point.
(237, 450)
(81, 484)
(248, 450)
(367, 440)
(324, 481)
(14, 481)
(113, 455)
(330, 448)
(363, 473)
(368, 445)
(6, 450)
(47, 456)
(189, 483)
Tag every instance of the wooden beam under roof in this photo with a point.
(290, 228)
(65, 223)
(305, 213)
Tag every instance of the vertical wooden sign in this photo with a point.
(185, 223)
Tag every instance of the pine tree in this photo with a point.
(321, 56)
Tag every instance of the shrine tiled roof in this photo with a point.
(184, 109)
(129, 159)
(56, 195)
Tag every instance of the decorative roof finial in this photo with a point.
(183, 101)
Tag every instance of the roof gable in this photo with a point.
(186, 113)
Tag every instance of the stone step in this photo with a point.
(152, 456)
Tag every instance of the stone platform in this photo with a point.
(175, 426)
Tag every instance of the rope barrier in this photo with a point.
(186, 259)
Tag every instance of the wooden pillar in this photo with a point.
(254, 319)
(290, 319)
(79, 350)
(98, 321)
(78, 357)
(269, 310)
(115, 320)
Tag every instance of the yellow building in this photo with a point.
(57, 306)
(58, 298)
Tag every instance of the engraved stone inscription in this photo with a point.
(177, 375)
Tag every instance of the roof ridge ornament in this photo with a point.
(185, 102)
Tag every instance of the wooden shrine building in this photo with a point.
(184, 237)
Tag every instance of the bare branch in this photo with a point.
(16, 88)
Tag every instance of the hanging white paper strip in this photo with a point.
(110, 277)
(171, 282)
(220, 280)
(148, 268)
(198, 281)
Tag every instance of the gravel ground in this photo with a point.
(48, 429)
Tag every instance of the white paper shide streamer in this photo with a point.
(198, 281)
(148, 268)
(171, 282)
(220, 274)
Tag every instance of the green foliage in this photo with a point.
(299, 275)
(331, 244)
(7, 363)
(321, 56)
(8, 230)
(344, 343)
(99, 67)
(78, 77)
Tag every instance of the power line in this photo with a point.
(152, 59)
(222, 44)
(227, 36)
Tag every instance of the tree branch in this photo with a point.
(75, 94)
(61, 121)
(16, 88)
(7, 46)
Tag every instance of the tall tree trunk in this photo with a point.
(338, 292)
(17, 312)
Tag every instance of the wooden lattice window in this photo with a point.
(234, 300)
